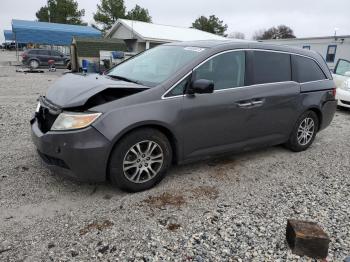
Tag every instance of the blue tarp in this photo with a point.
(50, 33)
(9, 35)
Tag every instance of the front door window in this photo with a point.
(226, 70)
(343, 68)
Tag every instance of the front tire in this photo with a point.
(34, 64)
(304, 132)
(140, 160)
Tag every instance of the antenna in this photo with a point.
(132, 25)
(335, 31)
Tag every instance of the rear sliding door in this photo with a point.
(272, 85)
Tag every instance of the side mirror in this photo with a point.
(201, 86)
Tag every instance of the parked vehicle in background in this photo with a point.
(341, 78)
(40, 57)
(182, 102)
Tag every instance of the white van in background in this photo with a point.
(341, 77)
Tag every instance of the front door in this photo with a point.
(43, 56)
(341, 72)
(57, 57)
(213, 122)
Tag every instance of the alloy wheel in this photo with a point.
(143, 161)
(34, 64)
(306, 131)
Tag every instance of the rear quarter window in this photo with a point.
(271, 67)
(306, 70)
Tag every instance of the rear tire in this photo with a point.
(140, 160)
(304, 132)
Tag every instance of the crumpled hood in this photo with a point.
(73, 90)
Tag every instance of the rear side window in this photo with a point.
(306, 70)
(33, 52)
(55, 53)
(271, 67)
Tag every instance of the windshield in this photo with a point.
(155, 65)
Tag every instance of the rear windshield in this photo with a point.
(156, 65)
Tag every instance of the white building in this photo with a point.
(140, 36)
(331, 48)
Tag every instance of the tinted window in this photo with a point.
(179, 89)
(33, 52)
(226, 70)
(343, 66)
(270, 67)
(43, 52)
(306, 70)
(55, 53)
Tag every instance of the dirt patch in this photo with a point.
(221, 167)
(99, 226)
(221, 161)
(173, 227)
(165, 199)
(205, 191)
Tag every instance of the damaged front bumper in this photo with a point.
(82, 154)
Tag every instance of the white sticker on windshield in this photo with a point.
(194, 49)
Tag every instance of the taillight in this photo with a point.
(23, 55)
(334, 92)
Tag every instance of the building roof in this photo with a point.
(162, 33)
(9, 35)
(49, 33)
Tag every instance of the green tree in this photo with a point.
(108, 12)
(61, 11)
(140, 14)
(212, 25)
(279, 32)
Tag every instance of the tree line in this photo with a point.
(109, 11)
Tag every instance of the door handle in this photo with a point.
(257, 103)
(245, 104)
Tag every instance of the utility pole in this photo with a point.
(335, 33)
(48, 10)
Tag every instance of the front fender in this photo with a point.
(165, 114)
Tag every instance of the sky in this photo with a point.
(306, 17)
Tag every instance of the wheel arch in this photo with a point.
(35, 59)
(172, 138)
(318, 112)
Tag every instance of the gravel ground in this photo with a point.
(230, 209)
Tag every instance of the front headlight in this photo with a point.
(70, 120)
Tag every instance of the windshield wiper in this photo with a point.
(124, 79)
